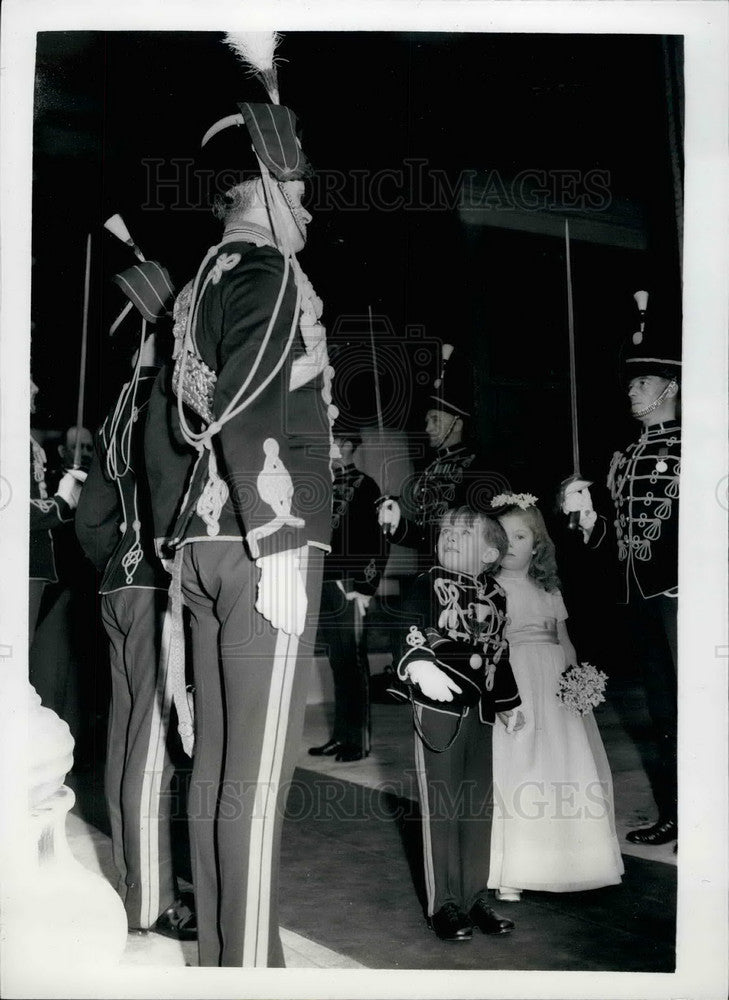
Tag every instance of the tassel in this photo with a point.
(641, 300)
(117, 227)
(256, 49)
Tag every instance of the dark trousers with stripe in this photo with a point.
(456, 804)
(139, 768)
(653, 631)
(350, 668)
(250, 696)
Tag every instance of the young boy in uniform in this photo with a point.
(456, 662)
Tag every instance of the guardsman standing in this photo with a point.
(251, 512)
(352, 574)
(643, 481)
(455, 477)
(114, 527)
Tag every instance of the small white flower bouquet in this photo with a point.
(581, 688)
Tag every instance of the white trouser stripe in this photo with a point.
(263, 820)
(425, 814)
(151, 784)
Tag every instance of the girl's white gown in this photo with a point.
(554, 822)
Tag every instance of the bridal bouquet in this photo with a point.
(581, 688)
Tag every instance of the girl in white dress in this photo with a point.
(554, 822)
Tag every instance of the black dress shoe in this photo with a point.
(328, 750)
(450, 923)
(350, 752)
(178, 921)
(661, 832)
(487, 920)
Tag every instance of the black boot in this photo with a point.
(662, 832)
(327, 750)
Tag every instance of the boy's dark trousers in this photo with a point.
(456, 803)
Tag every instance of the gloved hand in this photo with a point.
(431, 680)
(576, 499)
(69, 488)
(513, 720)
(389, 514)
(281, 592)
(361, 600)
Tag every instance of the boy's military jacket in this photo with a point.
(358, 552)
(114, 519)
(274, 456)
(46, 513)
(454, 478)
(644, 485)
(460, 620)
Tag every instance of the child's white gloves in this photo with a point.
(432, 681)
(513, 720)
(281, 592)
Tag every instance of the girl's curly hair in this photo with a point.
(543, 567)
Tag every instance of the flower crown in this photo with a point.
(522, 500)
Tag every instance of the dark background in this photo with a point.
(109, 103)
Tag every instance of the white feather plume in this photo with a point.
(256, 50)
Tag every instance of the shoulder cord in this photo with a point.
(118, 454)
(120, 445)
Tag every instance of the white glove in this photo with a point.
(281, 592)
(513, 720)
(388, 515)
(361, 600)
(168, 565)
(69, 488)
(431, 680)
(577, 498)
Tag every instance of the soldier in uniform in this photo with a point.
(352, 572)
(456, 475)
(46, 513)
(114, 527)
(643, 481)
(247, 514)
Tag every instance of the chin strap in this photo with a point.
(661, 398)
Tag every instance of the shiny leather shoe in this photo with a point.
(450, 923)
(662, 832)
(487, 920)
(328, 750)
(178, 921)
(349, 752)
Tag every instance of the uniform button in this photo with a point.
(476, 661)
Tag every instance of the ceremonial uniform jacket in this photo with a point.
(644, 485)
(114, 519)
(274, 456)
(455, 477)
(460, 620)
(357, 541)
(46, 513)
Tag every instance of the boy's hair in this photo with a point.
(543, 567)
(493, 533)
